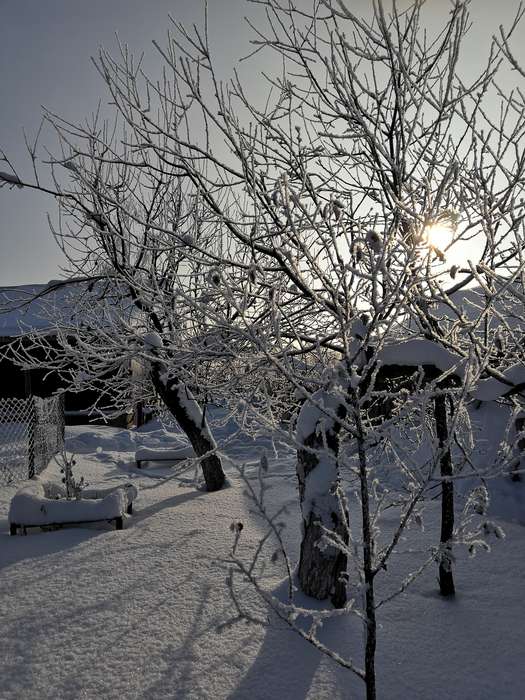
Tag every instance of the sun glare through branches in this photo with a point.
(439, 235)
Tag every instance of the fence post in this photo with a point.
(61, 420)
(31, 432)
(31, 435)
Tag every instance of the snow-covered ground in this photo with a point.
(90, 613)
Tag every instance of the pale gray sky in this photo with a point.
(45, 47)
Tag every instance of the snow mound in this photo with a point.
(88, 439)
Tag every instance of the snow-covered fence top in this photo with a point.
(31, 432)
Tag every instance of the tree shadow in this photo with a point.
(171, 502)
(284, 668)
(39, 544)
(179, 660)
(287, 666)
(182, 676)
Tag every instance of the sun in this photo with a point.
(438, 235)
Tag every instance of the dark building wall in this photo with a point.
(16, 382)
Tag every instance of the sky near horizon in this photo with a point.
(45, 50)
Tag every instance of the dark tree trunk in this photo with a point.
(322, 569)
(368, 558)
(184, 408)
(322, 572)
(446, 579)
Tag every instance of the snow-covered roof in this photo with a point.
(472, 301)
(417, 352)
(43, 307)
(21, 312)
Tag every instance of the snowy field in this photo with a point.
(89, 612)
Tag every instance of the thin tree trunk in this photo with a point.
(368, 563)
(322, 569)
(371, 636)
(446, 579)
(182, 405)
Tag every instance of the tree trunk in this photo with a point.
(322, 569)
(446, 580)
(368, 560)
(371, 636)
(182, 405)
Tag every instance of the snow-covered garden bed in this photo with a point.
(41, 503)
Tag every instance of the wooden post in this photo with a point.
(446, 579)
(27, 383)
(139, 414)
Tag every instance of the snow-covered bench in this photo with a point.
(42, 503)
(148, 454)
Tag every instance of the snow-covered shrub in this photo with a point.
(73, 486)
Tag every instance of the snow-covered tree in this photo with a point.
(295, 233)
(130, 233)
(366, 147)
(334, 189)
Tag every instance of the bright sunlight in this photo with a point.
(439, 235)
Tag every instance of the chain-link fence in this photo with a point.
(31, 432)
